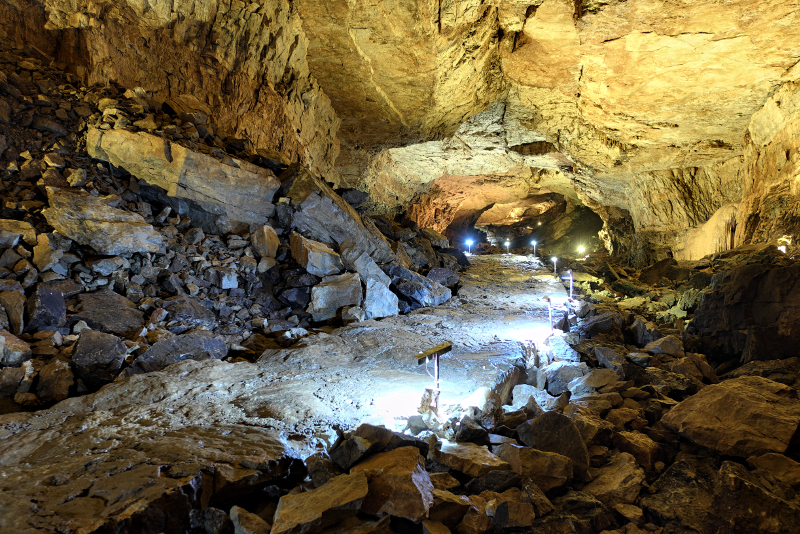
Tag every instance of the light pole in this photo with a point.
(554, 260)
(508, 244)
(533, 243)
(469, 246)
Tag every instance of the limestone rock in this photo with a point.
(384, 439)
(437, 240)
(609, 358)
(379, 301)
(554, 432)
(14, 304)
(417, 288)
(93, 222)
(473, 460)
(447, 508)
(315, 257)
(333, 293)
(548, 470)
(560, 374)
(265, 242)
(55, 381)
(619, 482)
(13, 351)
(398, 484)
(321, 468)
(45, 308)
(671, 345)
(592, 382)
(740, 417)
(222, 197)
(201, 345)
(359, 261)
(646, 451)
(311, 512)
(19, 227)
(98, 357)
(513, 515)
(245, 522)
(445, 277)
(109, 312)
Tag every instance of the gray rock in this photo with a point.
(671, 345)
(200, 345)
(591, 382)
(379, 301)
(245, 522)
(98, 357)
(554, 432)
(13, 351)
(445, 277)
(109, 312)
(321, 468)
(315, 257)
(19, 227)
(561, 349)
(55, 381)
(357, 260)
(349, 452)
(619, 482)
(352, 314)
(265, 242)
(643, 331)
(45, 307)
(436, 239)
(334, 293)
(560, 374)
(10, 378)
(92, 221)
(609, 358)
(415, 287)
(14, 304)
(9, 259)
(107, 266)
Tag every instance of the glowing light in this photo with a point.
(782, 248)
(554, 260)
(508, 244)
(533, 243)
(539, 224)
(469, 246)
(581, 250)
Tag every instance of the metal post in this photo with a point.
(570, 284)
(436, 370)
(550, 312)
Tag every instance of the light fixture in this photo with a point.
(508, 244)
(469, 246)
(533, 243)
(539, 224)
(581, 249)
(554, 260)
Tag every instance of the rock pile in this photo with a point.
(132, 236)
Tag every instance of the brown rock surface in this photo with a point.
(548, 470)
(469, 458)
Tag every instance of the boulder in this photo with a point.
(619, 482)
(743, 417)
(245, 522)
(497, 481)
(445, 277)
(265, 242)
(610, 323)
(98, 357)
(10, 379)
(23, 228)
(350, 451)
(92, 221)
(220, 198)
(312, 511)
(316, 258)
(109, 312)
(45, 255)
(547, 470)
(333, 293)
(778, 466)
(681, 497)
(592, 382)
(511, 515)
(670, 345)
(447, 508)
(646, 451)
(55, 381)
(13, 302)
(357, 260)
(45, 307)
(379, 301)
(610, 358)
(13, 351)
(321, 468)
(417, 288)
(383, 439)
(534, 495)
(199, 345)
(560, 374)
(555, 432)
(469, 458)
(398, 484)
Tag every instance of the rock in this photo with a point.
(560, 374)
(45, 307)
(187, 310)
(548, 470)
(447, 508)
(671, 345)
(779, 466)
(357, 260)
(610, 323)
(45, 256)
(14, 304)
(199, 345)
(743, 417)
(45, 125)
(561, 349)
(324, 216)
(398, 484)
(524, 394)
(379, 301)
(107, 266)
(632, 513)
(352, 314)
(475, 521)
(590, 383)
(609, 358)
(219, 198)
(513, 515)
(646, 451)
(554, 432)
(437, 240)
(321, 468)
(350, 452)
(91, 221)
(13, 351)
(265, 242)
(55, 381)
(333, 293)
(434, 527)
(383, 439)
(643, 331)
(417, 288)
(682, 495)
(98, 357)
(10, 378)
(444, 481)
(534, 495)
(619, 482)
(109, 312)
(245, 522)
(445, 277)
(315, 257)
(496, 481)
(19, 227)
(473, 460)
(741, 505)
(313, 511)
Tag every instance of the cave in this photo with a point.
(384, 267)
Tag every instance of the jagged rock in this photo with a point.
(554, 432)
(98, 357)
(619, 482)
(741, 505)
(643, 331)
(45, 307)
(312, 511)
(445, 277)
(548, 470)
(779, 466)
(187, 310)
(13, 351)
(740, 417)
(434, 527)
(321, 468)
(447, 508)
(437, 240)
(357, 260)
(472, 432)
(609, 323)
(384, 439)
(315, 257)
(513, 515)
(10, 378)
(109, 312)
(609, 358)
(265, 242)
(333, 293)
(473, 460)
(443, 481)
(45, 256)
(107, 266)
(646, 451)
(379, 301)
(23, 228)
(222, 277)
(524, 394)
(497, 481)
(534, 495)
(415, 287)
(219, 198)
(55, 381)
(560, 374)
(590, 383)
(245, 522)
(475, 521)
(14, 304)
(201, 345)
(350, 452)
(92, 221)
(682, 495)
(398, 484)
(670, 345)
